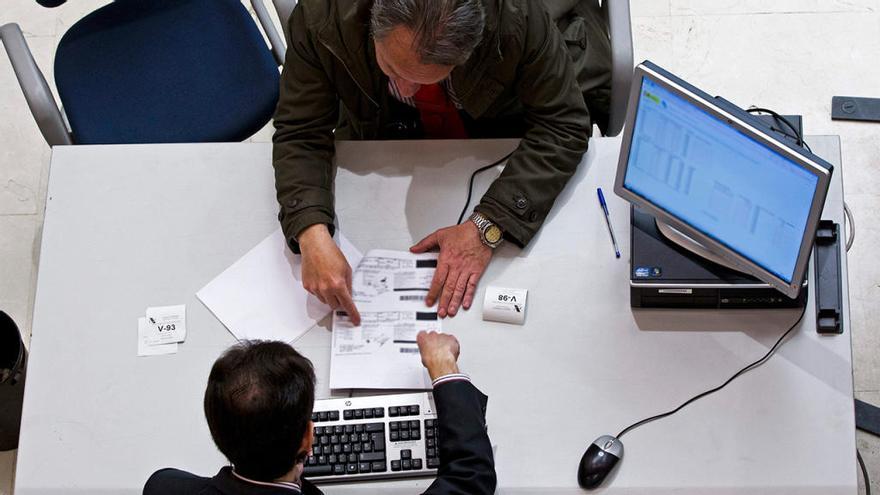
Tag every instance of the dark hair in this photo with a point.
(258, 404)
(446, 31)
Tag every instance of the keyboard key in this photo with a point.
(429, 423)
(315, 417)
(328, 430)
(334, 439)
(351, 468)
(343, 438)
(334, 415)
(394, 425)
(365, 467)
(415, 435)
(429, 432)
(332, 459)
(366, 447)
(417, 464)
(406, 465)
(430, 442)
(358, 414)
(374, 427)
(347, 448)
(414, 424)
(356, 447)
(348, 414)
(337, 449)
(378, 441)
(359, 428)
(365, 437)
(311, 461)
(325, 440)
(395, 465)
(322, 459)
(372, 456)
(324, 470)
(431, 453)
(338, 430)
(393, 411)
(368, 414)
(395, 436)
(352, 458)
(414, 410)
(322, 416)
(404, 435)
(318, 430)
(433, 463)
(339, 469)
(406, 454)
(379, 467)
(379, 412)
(349, 429)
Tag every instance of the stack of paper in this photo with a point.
(261, 295)
(389, 289)
(161, 330)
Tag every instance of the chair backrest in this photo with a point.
(620, 31)
(284, 8)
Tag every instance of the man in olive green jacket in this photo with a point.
(393, 69)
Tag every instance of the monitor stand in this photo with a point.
(684, 241)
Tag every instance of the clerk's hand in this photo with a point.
(325, 271)
(439, 353)
(463, 259)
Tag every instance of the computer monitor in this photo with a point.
(733, 187)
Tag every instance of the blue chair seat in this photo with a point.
(159, 71)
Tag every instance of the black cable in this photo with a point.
(471, 184)
(797, 135)
(864, 472)
(712, 391)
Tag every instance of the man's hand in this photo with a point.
(325, 271)
(463, 259)
(439, 353)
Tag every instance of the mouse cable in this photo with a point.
(797, 135)
(864, 472)
(739, 373)
(471, 184)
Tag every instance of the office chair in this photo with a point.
(154, 71)
(619, 25)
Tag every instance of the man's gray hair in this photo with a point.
(446, 31)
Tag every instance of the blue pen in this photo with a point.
(608, 221)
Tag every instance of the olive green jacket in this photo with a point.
(519, 82)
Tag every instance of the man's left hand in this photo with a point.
(463, 259)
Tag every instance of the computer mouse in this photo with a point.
(599, 459)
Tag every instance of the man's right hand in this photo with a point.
(439, 353)
(325, 271)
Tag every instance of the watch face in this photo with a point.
(493, 234)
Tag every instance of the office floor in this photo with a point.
(789, 55)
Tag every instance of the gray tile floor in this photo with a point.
(789, 55)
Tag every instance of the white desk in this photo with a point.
(134, 226)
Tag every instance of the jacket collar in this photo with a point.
(229, 482)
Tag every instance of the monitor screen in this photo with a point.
(718, 180)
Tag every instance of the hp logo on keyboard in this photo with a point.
(347, 403)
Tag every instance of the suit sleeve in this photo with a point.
(467, 466)
(558, 127)
(303, 145)
(169, 481)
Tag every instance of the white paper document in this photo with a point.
(149, 345)
(166, 324)
(261, 295)
(389, 289)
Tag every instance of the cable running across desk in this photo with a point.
(471, 184)
(736, 375)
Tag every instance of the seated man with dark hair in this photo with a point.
(258, 404)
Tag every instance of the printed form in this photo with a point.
(389, 289)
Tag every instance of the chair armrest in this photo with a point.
(278, 46)
(620, 32)
(36, 91)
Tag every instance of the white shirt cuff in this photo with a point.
(452, 377)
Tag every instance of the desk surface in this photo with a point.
(134, 226)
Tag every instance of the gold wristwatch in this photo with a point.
(490, 233)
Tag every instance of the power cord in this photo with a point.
(471, 184)
(736, 375)
(864, 472)
(851, 227)
(797, 135)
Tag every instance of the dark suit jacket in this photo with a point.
(466, 463)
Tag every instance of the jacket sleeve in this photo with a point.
(303, 144)
(556, 137)
(467, 466)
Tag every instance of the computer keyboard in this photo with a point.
(375, 437)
